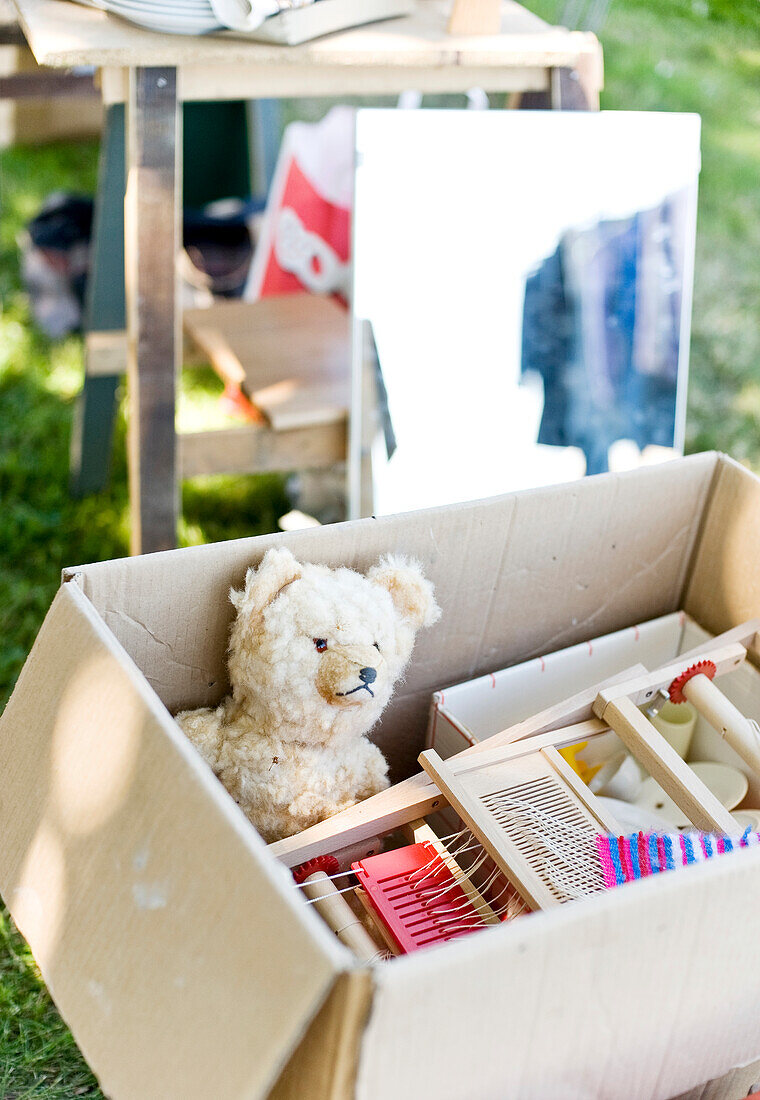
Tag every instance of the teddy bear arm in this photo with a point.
(311, 807)
(373, 775)
(203, 728)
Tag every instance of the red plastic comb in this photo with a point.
(328, 864)
(416, 896)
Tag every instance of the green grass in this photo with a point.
(686, 55)
(38, 1057)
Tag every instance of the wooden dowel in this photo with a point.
(381, 929)
(724, 717)
(338, 914)
(643, 689)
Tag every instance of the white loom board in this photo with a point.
(490, 703)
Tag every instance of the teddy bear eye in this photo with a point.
(321, 644)
(377, 647)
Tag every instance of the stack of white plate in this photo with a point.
(167, 16)
(247, 16)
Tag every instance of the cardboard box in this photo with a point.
(179, 951)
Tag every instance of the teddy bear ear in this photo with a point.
(277, 569)
(411, 591)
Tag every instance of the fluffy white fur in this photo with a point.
(288, 743)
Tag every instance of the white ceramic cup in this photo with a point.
(619, 778)
(676, 722)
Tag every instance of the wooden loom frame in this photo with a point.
(610, 705)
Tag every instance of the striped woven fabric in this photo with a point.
(626, 858)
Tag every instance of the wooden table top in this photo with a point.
(411, 52)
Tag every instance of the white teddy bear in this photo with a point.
(314, 656)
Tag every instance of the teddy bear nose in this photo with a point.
(367, 675)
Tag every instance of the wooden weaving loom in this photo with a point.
(528, 818)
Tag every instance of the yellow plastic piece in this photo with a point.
(583, 770)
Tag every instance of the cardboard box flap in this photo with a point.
(612, 996)
(175, 948)
(591, 565)
(724, 583)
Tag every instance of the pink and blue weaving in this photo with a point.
(627, 858)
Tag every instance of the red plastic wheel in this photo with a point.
(701, 668)
(328, 864)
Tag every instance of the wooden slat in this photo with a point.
(291, 354)
(745, 634)
(106, 352)
(42, 85)
(663, 763)
(415, 797)
(236, 80)
(581, 790)
(570, 734)
(256, 449)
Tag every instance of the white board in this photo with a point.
(454, 212)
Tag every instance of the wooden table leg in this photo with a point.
(104, 319)
(567, 90)
(152, 239)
